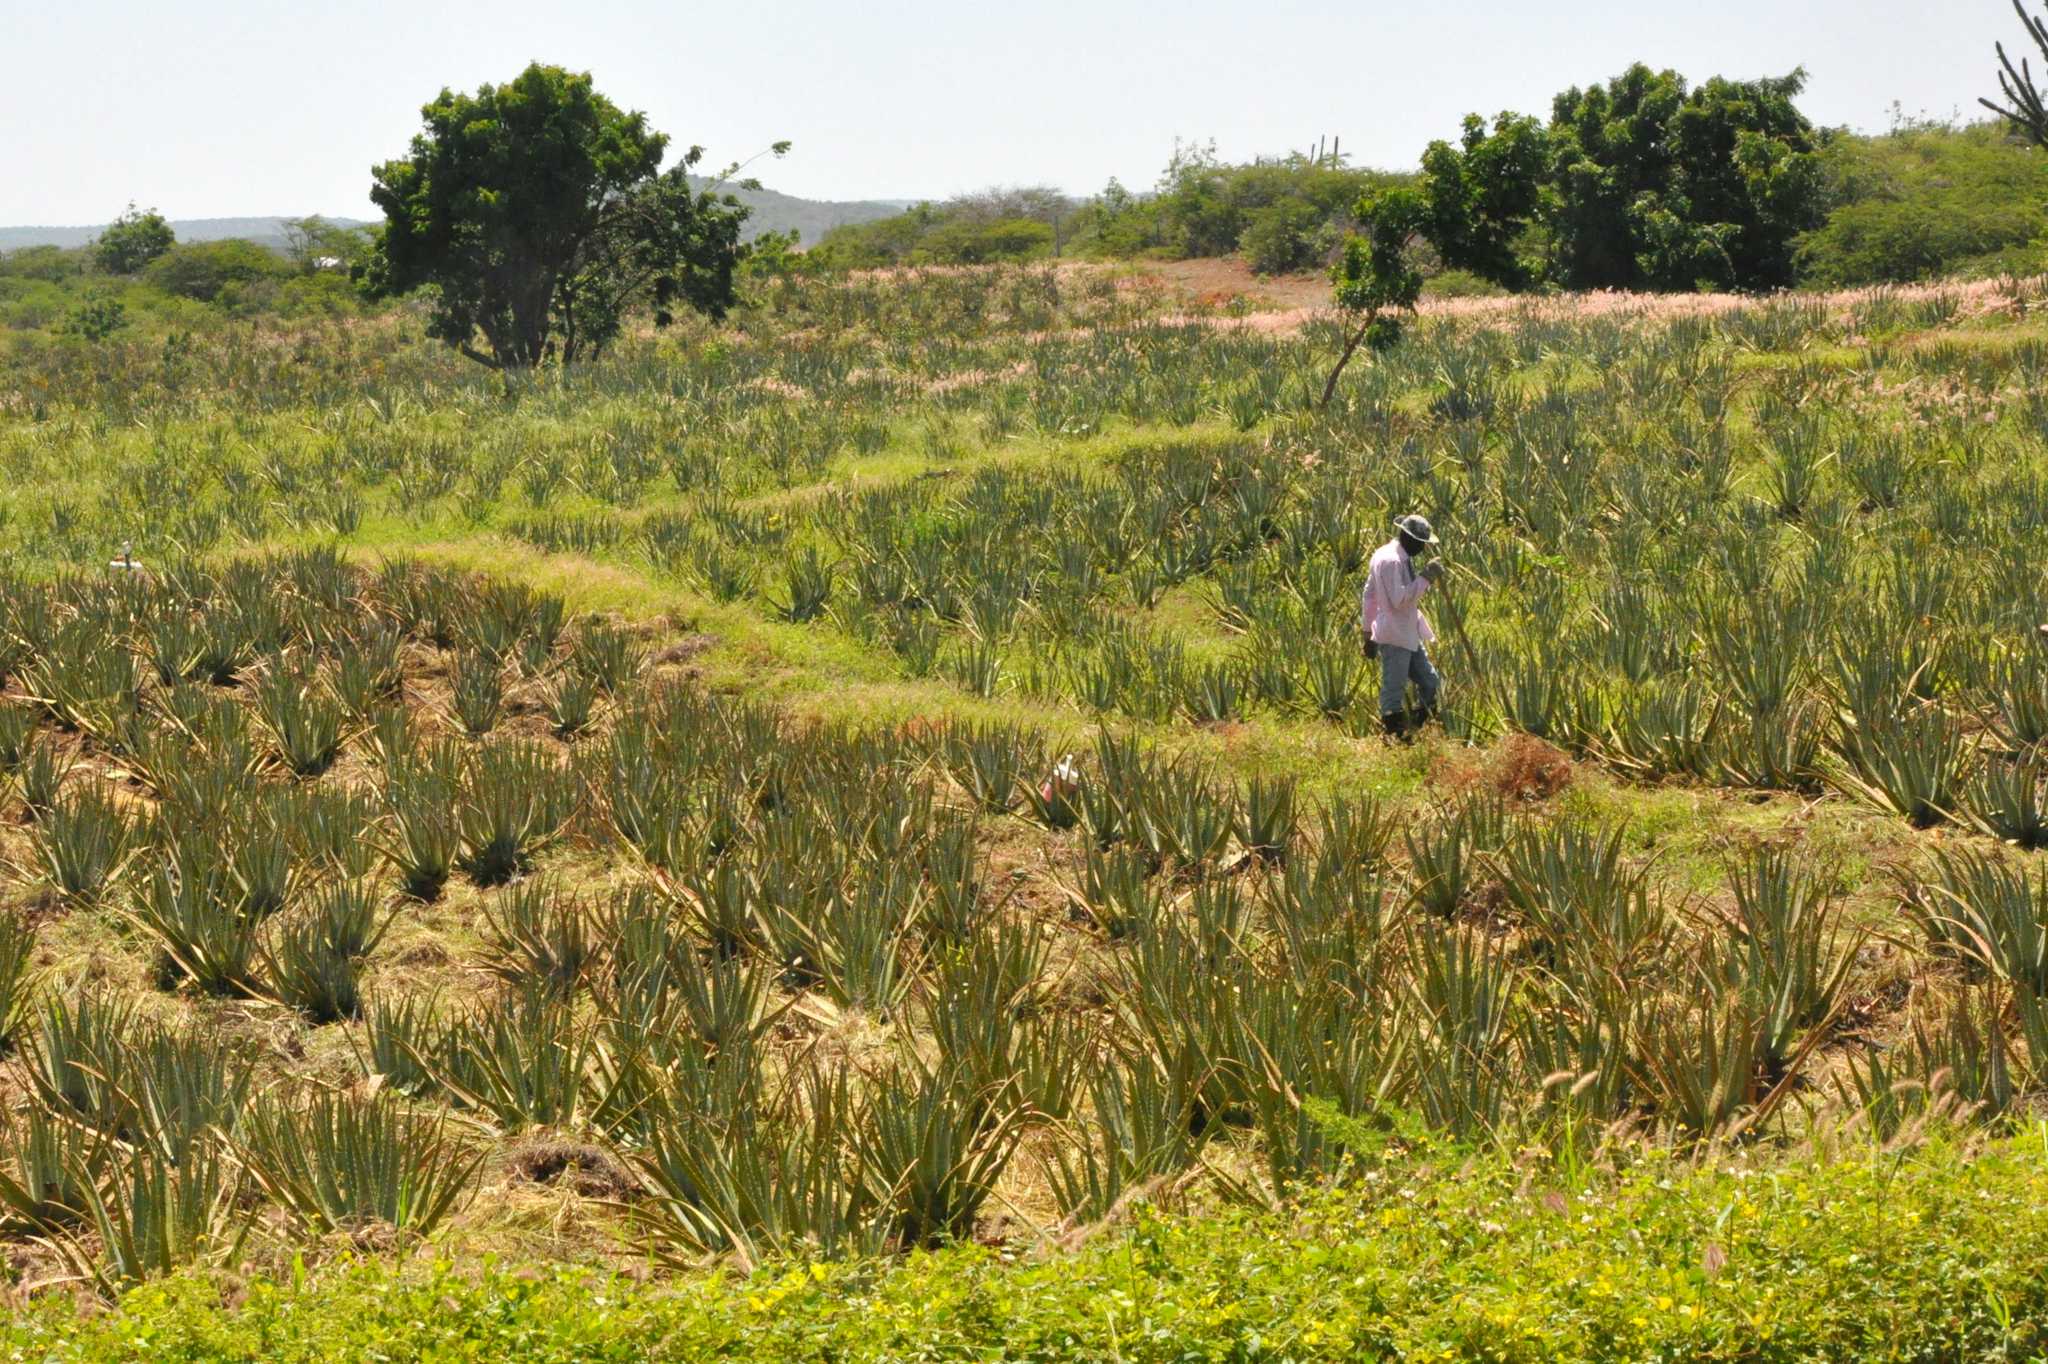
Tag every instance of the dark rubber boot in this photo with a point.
(1395, 723)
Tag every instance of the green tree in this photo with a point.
(132, 241)
(312, 239)
(1483, 195)
(1641, 183)
(540, 215)
(1609, 151)
(1377, 285)
(2024, 108)
(1747, 175)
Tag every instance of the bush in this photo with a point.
(961, 232)
(95, 318)
(1292, 210)
(51, 264)
(326, 294)
(1460, 284)
(1008, 239)
(211, 272)
(27, 305)
(1281, 238)
(1925, 202)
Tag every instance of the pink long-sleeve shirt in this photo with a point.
(1390, 608)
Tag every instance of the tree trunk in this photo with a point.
(1351, 346)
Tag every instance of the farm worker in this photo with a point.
(1396, 633)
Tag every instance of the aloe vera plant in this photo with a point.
(153, 1217)
(48, 1168)
(1790, 953)
(402, 1040)
(1462, 994)
(425, 834)
(1266, 820)
(2009, 801)
(308, 970)
(202, 927)
(306, 724)
(68, 1058)
(541, 937)
(1988, 911)
(931, 1150)
(17, 731)
(42, 775)
(478, 697)
(748, 1179)
(1579, 896)
(570, 702)
(1447, 859)
(335, 1163)
(808, 582)
(83, 842)
(516, 800)
(524, 1066)
(18, 977)
(368, 672)
(1701, 1060)
(1915, 767)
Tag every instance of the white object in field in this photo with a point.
(126, 563)
(1065, 781)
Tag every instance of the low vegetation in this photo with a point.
(1925, 1257)
(693, 886)
(853, 820)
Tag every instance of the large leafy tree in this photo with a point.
(1482, 194)
(132, 241)
(539, 214)
(1747, 182)
(1641, 183)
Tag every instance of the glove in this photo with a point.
(1432, 570)
(1372, 647)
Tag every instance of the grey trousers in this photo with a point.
(1399, 667)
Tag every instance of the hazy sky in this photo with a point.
(228, 107)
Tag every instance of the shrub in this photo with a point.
(1924, 202)
(210, 272)
(1280, 238)
(1666, 1262)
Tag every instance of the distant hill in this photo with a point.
(773, 212)
(812, 218)
(267, 231)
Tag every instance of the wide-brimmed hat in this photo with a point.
(1416, 528)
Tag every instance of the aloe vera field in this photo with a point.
(618, 818)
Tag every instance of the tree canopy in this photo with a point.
(311, 239)
(132, 241)
(539, 214)
(1641, 183)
